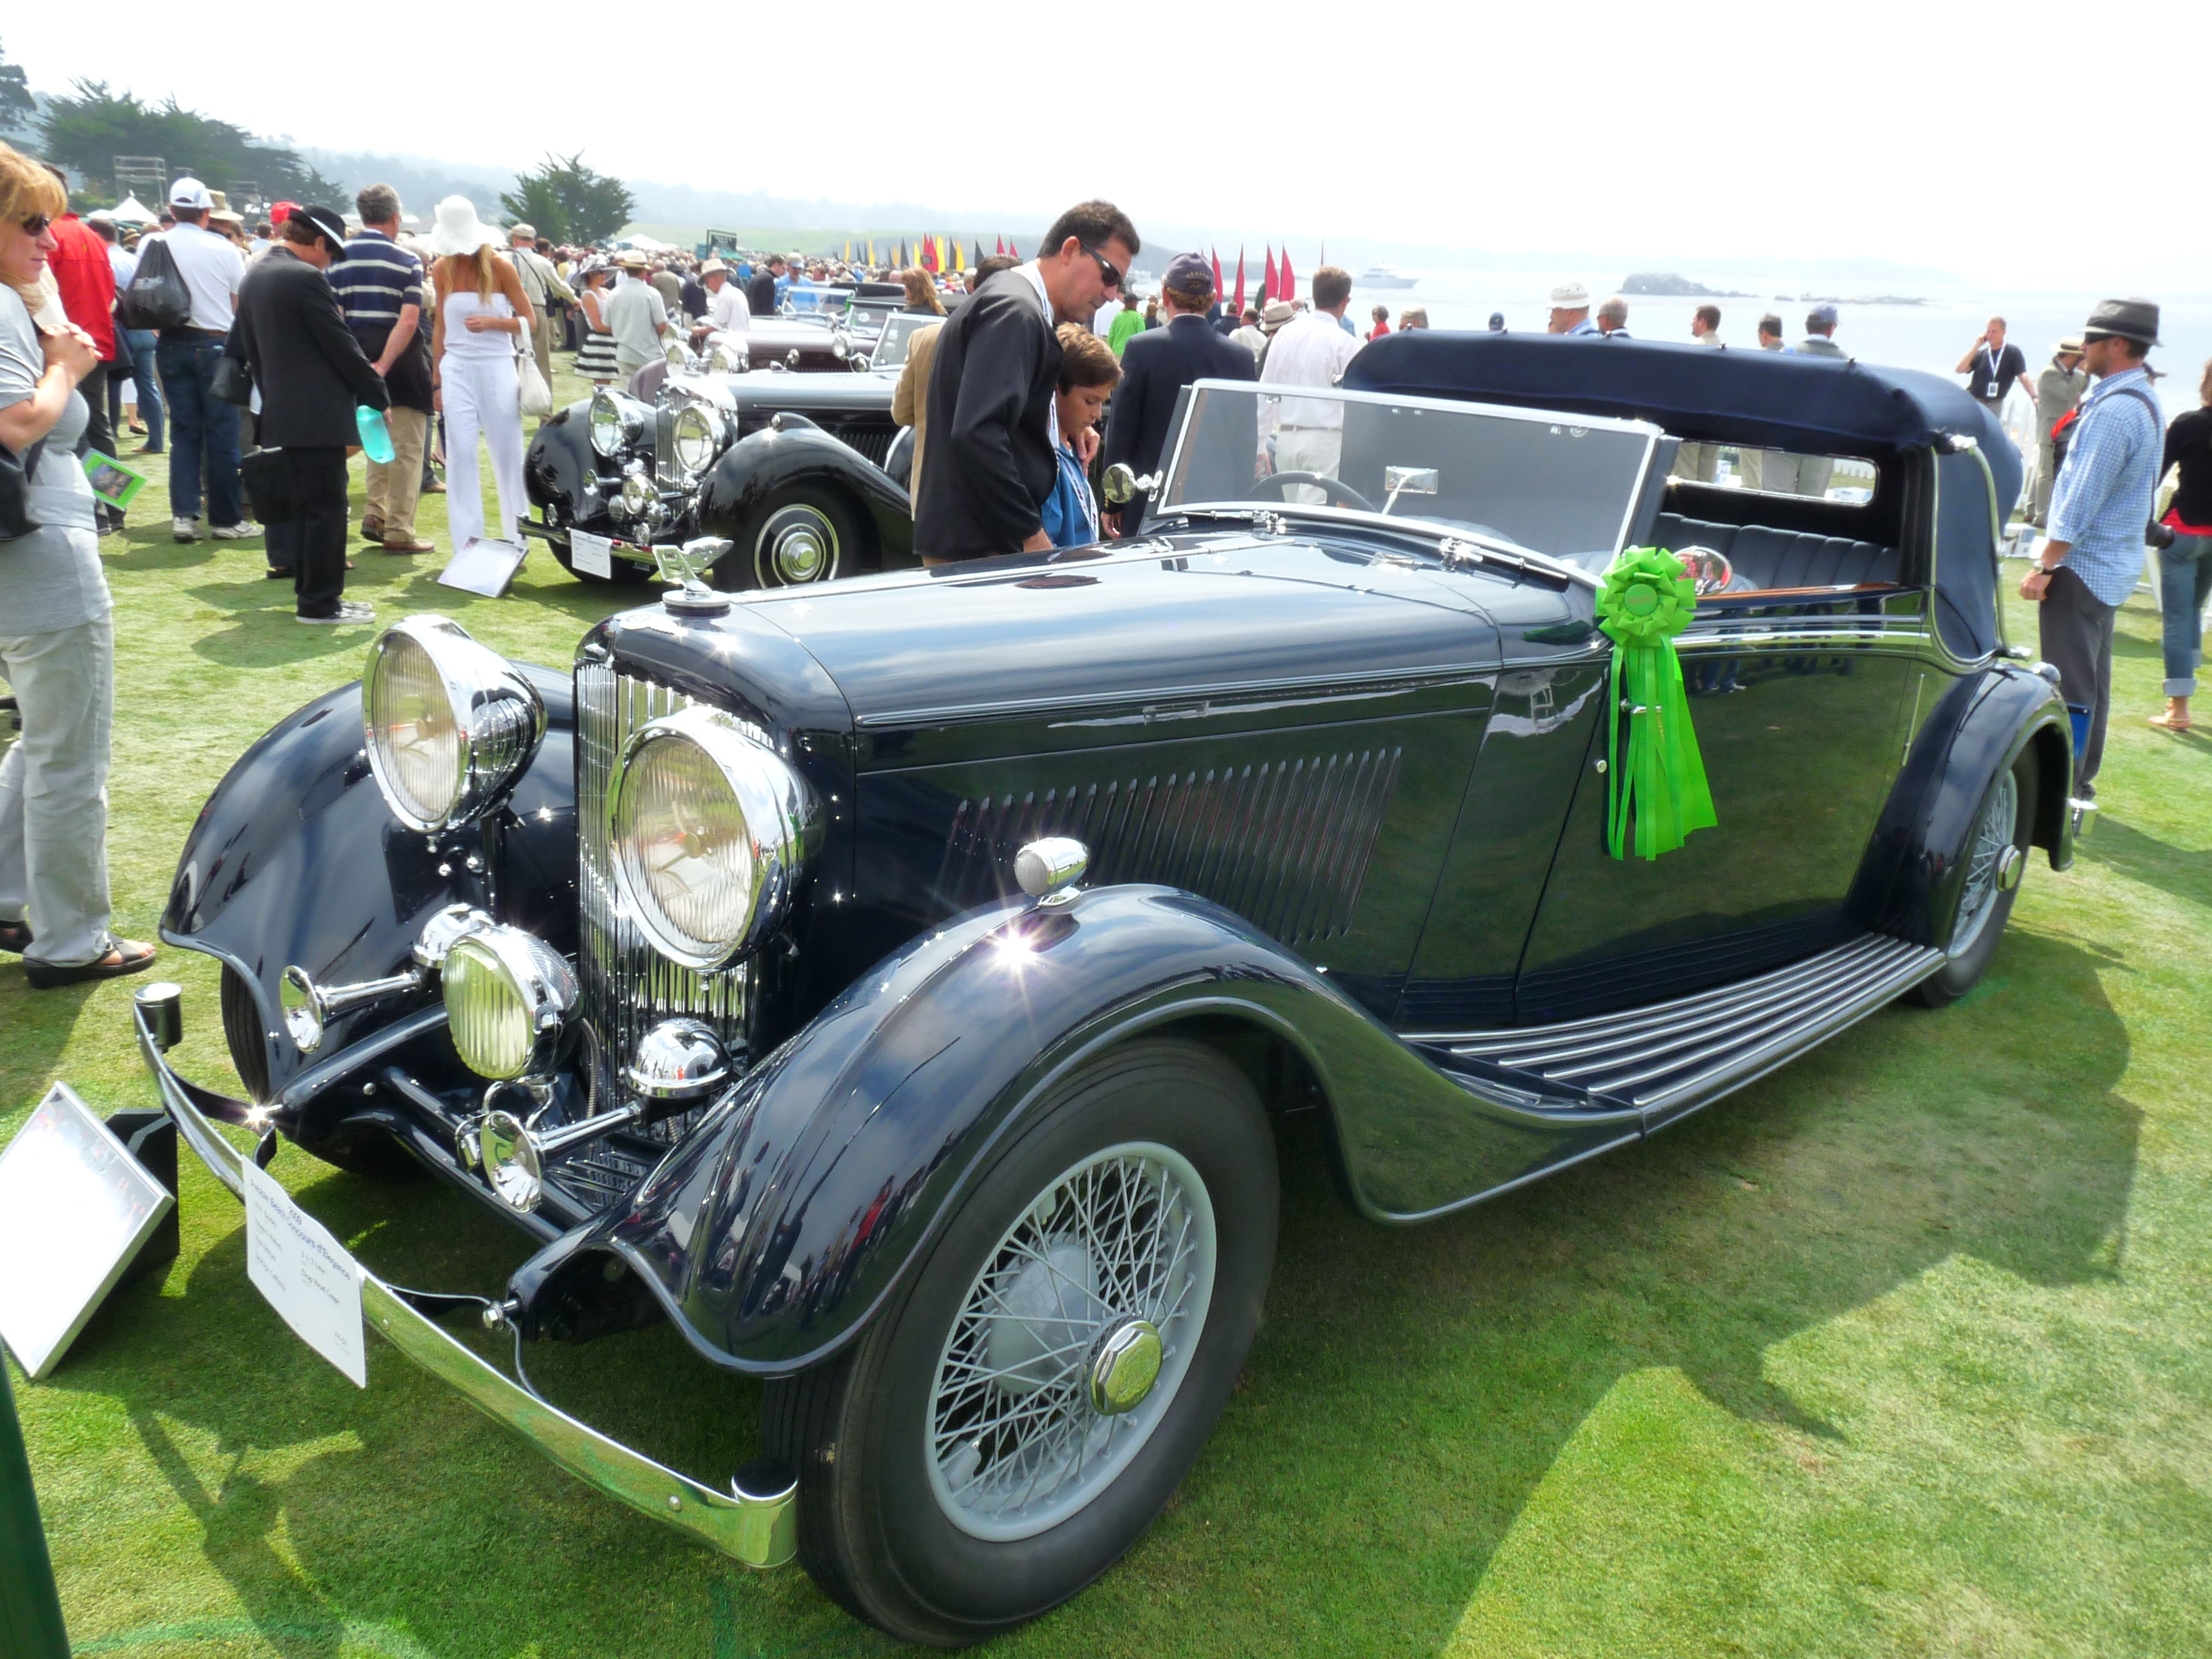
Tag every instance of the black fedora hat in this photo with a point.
(2131, 319)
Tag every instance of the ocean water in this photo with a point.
(1932, 335)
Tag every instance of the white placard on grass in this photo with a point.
(484, 566)
(305, 1275)
(590, 555)
(75, 1207)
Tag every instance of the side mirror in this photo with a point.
(1119, 484)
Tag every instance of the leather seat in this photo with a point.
(1766, 558)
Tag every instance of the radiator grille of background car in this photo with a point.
(1284, 844)
(625, 985)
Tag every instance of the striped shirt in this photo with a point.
(2102, 501)
(375, 279)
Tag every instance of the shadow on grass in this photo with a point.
(1414, 1386)
(2144, 858)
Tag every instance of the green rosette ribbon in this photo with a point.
(1658, 787)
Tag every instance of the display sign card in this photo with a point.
(484, 566)
(75, 1207)
(113, 481)
(305, 1275)
(591, 555)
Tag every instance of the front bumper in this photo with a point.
(755, 1522)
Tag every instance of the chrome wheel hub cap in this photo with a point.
(1072, 1342)
(1993, 863)
(798, 546)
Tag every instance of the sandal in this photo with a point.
(2168, 722)
(123, 956)
(15, 936)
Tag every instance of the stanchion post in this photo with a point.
(30, 1609)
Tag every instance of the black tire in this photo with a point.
(1970, 951)
(623, 574)
(872, 1530)
(772, 545)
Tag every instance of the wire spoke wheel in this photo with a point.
(1986, 857)
(1071, 1342)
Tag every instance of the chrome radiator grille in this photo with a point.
(625, 985)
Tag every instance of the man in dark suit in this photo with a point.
(990, 404)
(1158, 364)
(760, 293)
(311, 371)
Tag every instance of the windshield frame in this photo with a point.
(1647, 430)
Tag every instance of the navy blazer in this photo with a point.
(1156, 365)
(990, 462)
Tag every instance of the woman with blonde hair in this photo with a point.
(921, 291)
(481, 313)
(57, 628)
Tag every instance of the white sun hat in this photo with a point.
(1570, 297)
(459, 231)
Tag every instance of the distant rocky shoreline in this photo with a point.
(1667, 285)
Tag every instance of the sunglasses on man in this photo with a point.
(1105, 267)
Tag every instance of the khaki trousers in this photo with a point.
(395, 486)
(2046, 474)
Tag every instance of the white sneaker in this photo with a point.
(349, 611)
(184, 530)
(235, 532)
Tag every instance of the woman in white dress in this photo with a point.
(481, 313)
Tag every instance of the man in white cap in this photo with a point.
(542, 286)
(1570, 309)
(203, 430)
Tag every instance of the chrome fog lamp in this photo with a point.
(710, 830)
(448, 723)
(676, 352)
(617, 422)
(678, 1060)
(507, 997)
(639, 494)
(694, 439)
(841, 344)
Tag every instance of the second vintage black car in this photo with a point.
(890, 984)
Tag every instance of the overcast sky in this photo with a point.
(1908, 131)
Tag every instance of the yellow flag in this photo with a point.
(959, 259)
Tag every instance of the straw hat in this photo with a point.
(457, 229)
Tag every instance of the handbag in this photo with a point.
(15, 470)
(156, 296)
(537, 395)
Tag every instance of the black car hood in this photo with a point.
(1166, 618)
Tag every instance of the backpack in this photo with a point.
(156, 296)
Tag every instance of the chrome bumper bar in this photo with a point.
(758, 1527)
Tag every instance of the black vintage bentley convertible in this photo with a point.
(891, 984)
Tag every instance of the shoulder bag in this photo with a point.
(15, 470)
(536, 396)
(156, 296)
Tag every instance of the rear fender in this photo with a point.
(775, 1230)
(756, 468)
(296, 859)
(1910, 882)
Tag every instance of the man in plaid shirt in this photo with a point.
(2100, 511)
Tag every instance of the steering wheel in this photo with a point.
(1338, 494)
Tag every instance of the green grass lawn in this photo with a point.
(1903, 1351)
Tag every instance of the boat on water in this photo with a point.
(1383, 276)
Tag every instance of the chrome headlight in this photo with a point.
(617, 422)
(449, 723)
(726, 355)
(639, 494)
(507, 997)
(710, 831)
(695, 440)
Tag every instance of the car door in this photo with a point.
(1797, 698)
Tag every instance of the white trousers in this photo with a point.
(53, 790)
(1308, 449)
(482, 397)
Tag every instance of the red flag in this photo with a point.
(1267, 286)
(998, 245)
(928, 261)
(1217, 273)
(1290, 282)
(1239, 301)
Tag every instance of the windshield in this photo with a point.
(891, 344)
(1561, 486)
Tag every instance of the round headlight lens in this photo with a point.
(606, 425)
(506, 996)
(709, 830)
(639, 496)
(448, 723)
(413, 731)
(695, 439)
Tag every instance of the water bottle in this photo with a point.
(375, 436)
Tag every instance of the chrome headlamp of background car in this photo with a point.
(697, 435)
(617, 422)
(449, 723)
(507, 997)
(727, 355)
(710, 830)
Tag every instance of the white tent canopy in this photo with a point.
(131, 211)
(647, 244)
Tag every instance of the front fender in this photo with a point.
(560, 463)
(757, 468)
(785, 1220)
(1915, 867)
(296, 859)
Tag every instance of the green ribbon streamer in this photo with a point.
(1659, 789)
